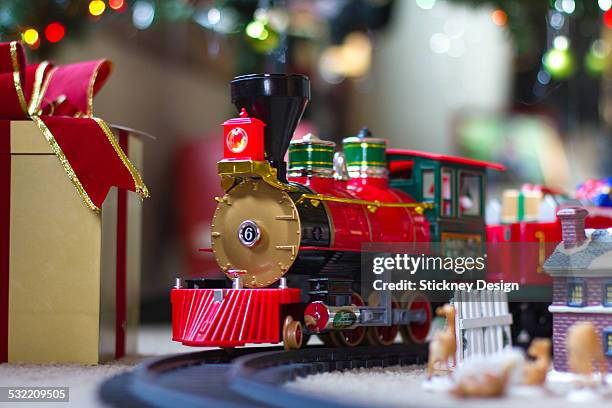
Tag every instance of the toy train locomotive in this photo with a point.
(290, 235)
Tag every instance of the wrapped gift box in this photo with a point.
(72, 275)
(521, 205)
(69, 228)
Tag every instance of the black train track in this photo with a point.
(244, 377)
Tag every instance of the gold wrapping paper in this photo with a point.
(62, 266)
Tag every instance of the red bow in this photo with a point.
(59, 100)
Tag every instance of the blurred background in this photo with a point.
(522, 82)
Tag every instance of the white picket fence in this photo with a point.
(482, 323)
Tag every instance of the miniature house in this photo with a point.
(581, 269)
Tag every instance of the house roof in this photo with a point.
(593, 257)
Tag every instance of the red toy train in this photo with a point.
(290, 236)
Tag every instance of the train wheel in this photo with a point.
(381, 335)
(416, 332)
(292, 334)
(352, 337)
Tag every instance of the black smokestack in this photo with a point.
(279, 101)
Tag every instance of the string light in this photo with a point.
(559, 63)
(96, 7)
(213, 16)
(426, 4)
(439, 43)
(557, 20)
(54, 32)
(256, 29)
(566, 6)
(30, 36)
(605, 4)
(561, 42)
(596, 59)
(351, 59)
(607, 18)
(499, 17)
(220, 20)
(116, 4)
(143, 14)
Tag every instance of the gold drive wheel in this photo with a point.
(256, 228)
(292, 334)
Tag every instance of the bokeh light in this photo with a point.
(351, 59)
(557, 20)
(54, 32)
(96, 7)
(543, 77)
(566, 6)
(426, 4)
(559, 63)
(499, 17)
(222, 20)
(116, 4)
(561, 42)
(213, 16)
(607, 18)
(604, 4)
(256, 29)
(596, 59)
(357, 54)
(30, 36)
(439, 43)
(143, 15)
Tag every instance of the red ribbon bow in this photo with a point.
(59, 100)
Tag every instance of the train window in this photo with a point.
(447, 204)
(576, 295)
(401, 169)
(429, 184)
(607, 293)
(470, 194)
(607, 338)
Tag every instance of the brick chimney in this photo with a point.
(572, 226)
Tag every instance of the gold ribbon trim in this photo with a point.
(40, 86)
(141, 188)
(17, 78)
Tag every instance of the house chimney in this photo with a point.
(572, 226)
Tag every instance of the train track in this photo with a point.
(243, 377)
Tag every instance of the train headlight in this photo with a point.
(237, 140)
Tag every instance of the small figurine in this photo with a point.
(443, 346)
(534, 373)
(583, 349)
